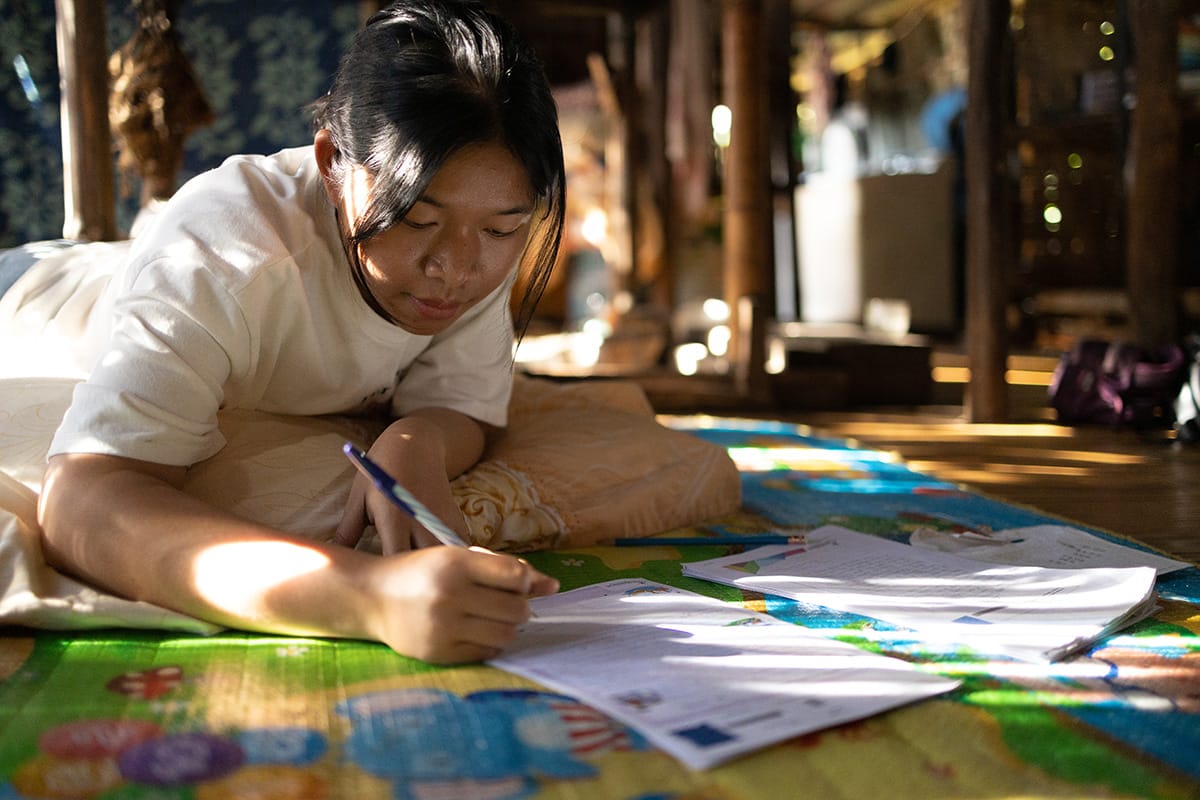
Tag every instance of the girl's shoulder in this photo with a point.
(253, 187)
(242, 217)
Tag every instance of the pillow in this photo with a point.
(579, 463)
(585, 462)
(34, 594)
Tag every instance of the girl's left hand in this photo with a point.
(412, 452)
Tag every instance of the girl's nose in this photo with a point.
(452, 257)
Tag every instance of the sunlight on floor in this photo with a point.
(1013, 377)
(995, 473)
(1084, 456)
(946, 431)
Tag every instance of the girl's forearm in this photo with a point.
(124, 526)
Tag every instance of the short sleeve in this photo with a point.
(155, 392)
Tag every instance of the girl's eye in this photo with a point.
(419, 226)
(501, 234)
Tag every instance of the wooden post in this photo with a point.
(781, 115)
(990, 247)
(89, 208)
(653, 245)
(1152, 173)
(623, 54)
(747, 189)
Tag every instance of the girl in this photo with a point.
(369, 271)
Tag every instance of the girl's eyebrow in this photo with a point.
(522, 209)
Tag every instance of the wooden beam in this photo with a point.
(89, 208)
(747, 189)
(990, 226)
(1151, 172)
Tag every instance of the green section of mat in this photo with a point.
(120, 714)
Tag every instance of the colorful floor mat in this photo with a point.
(126, 715)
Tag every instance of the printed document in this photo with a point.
(1043, 546)
(703, 679)
(1025, 612)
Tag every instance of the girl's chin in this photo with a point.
(421, 327)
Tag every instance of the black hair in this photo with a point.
(423, 79)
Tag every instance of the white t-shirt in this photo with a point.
(239, 295)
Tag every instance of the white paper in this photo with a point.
(1030, 613)
(1043, 546)
(702, 679)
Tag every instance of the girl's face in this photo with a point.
(459, 242)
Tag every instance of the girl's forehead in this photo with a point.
(484, 177)
(479, 179)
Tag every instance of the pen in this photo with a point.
(402, 498)
(766, 538)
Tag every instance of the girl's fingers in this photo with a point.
(423, 538)
(516, 575)
(451, 605)
(542, 584)
(485, 636)
(489, 633)
(354, 518)
(397, 534)
(466, 653)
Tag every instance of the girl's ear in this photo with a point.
(326, 153)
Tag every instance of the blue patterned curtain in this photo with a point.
(259, 63)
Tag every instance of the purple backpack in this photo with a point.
(1117, 383)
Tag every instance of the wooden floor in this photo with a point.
(1142, 485)
(1139, 485)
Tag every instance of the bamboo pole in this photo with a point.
(1152, 173)
(990, 226)
(89, 208)
(747, 190)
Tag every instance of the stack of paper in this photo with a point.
(702, 679)
(1026, 612)
(1043, 546)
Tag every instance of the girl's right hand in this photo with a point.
(451, 605)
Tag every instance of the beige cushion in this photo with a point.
(580, 463)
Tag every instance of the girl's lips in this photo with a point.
(432, 309)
